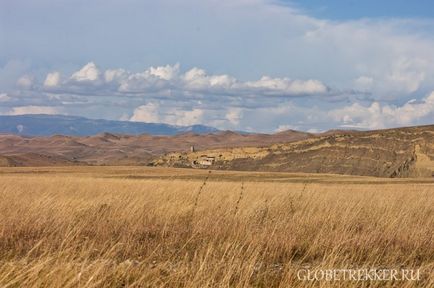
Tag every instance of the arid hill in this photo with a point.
(402, 152)
(114, 149)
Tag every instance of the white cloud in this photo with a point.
(288, 87)
(154, 79)
(146, 113)
(163, 80)
(286, 127)
(184, 117)
(4, 97)
(407, 74)
(396, 53)
(403, 76)
(359, 116)
(364, 83)
(377, 116)
(11, 71)
(22, 110)
(52, 79)
(198, 79)
(114, 75)
(392, 60)
(89, 72)
(234, 115)
(306, 87)
(153, 113)
(196, 97)
(165, 72)
(25, 81)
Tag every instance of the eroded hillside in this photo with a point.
(403, 152)
(116, 149)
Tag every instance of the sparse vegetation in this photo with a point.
(134, 227)
(395, 153)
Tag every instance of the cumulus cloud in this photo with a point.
(88, 73)
(4, 97)
(195, 96)
(153, 113)
(377, 116)
(164, 80)
(287, 86)
(165, 72)
(407, 74)
(114, 75)
(25, 81)
(184, 117)
(151, 80)
(22, 110)
(364, 70)
(146, 113)
(234, 115)
(52, 79)
(301, 43)
(395, 53)
(364, 83)
(198, 79)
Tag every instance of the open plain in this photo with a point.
(84, 226)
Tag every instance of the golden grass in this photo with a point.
(141, 227)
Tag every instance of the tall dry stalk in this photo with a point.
(240, 197)
(197, 196)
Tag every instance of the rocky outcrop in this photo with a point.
(403, 152)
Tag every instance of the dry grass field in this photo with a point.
(155, 227)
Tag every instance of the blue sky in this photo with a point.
(356, 9)
(254, 65)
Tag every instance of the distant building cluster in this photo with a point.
(205, 160)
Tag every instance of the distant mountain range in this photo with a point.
(47, 125)
(398, 152)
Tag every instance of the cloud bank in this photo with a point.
(246, 65)
(377, 116)
(164, 80)
(23, 110)
(167, 94)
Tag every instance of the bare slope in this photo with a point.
(114, 149)
(402, 152)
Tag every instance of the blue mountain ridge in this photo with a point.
(47, 125)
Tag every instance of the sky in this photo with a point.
(251, 65)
